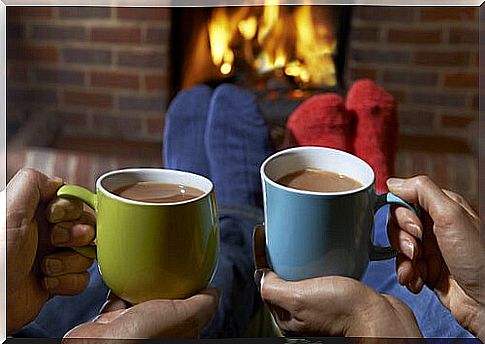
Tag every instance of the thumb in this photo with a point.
(158, 319)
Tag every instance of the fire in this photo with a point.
(279, 38)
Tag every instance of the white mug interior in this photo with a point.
(113, 180)
(328, 159)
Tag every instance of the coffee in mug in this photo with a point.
(154, 192)
(313, 179)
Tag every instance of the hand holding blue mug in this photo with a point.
(313, 233)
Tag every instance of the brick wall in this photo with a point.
(97, 70)
(428, 59)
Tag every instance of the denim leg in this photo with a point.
(234, 273)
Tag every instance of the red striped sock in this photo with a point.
(321, 120)
(376, 128)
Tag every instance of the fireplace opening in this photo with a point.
(284, 54)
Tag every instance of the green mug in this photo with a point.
(148, 250)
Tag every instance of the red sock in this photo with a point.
(321, 120)
(376, 128)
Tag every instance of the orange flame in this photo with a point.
(280, 39)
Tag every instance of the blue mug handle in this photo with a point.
(388, 252)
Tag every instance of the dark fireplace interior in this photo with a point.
(284, 54)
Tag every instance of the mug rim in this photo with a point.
(314, 193)
(110, 194)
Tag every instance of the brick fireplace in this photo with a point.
(98, 74)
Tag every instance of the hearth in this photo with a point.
(284, 54)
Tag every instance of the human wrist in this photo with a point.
(474, 322)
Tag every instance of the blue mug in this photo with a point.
(311, 234)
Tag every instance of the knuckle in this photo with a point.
(422, 181)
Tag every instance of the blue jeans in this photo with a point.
(239, 298)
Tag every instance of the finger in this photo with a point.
(425, 192)
(404, 269)
(114, 303)
(63, 209)
(61, 263)
(276, 291)
(462, 202)
(71, 284)
(157, 319)
(259, 248)
(406, 220)
(203, 306)
(75, 233)
(417, 282)
(24, 192)
(402, 241)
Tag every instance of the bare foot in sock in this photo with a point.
(237, 142)
(321, 120)
(376, 128)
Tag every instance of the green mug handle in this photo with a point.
(83, 194)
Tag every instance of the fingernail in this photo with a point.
(57, 214)
(60, 235)
(51, 282)
(394, 182)
(58, 180)
(412, 227)
(258, 274)
(53, 266)
(400, 277)
(410, 249)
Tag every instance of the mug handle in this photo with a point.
(83, 194)
(388, 252)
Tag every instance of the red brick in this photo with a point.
(114, 79)
(15, 31)
(155, 82)
(445, 58)
(88, 99)
(157, 36)
(119, 35)
(59, 76)
(410, 77)
(118, 125)
(414, 36)
(450, 121)
(448, 13)
(415, 119)
(31, 11)
(399, 94)
(461, 80)
(79, 120)
(44, 53)
(18, 72)
(58, 33)
(378, 13)
(154, 125)
(365, 34)
(144, 13)
(84, 12)
(380, 56)
(363, 73)
(463, 36)
(142, 59)
(475, 102)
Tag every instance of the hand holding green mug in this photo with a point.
(152, 250)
